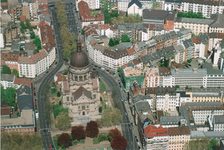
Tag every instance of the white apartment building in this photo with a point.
(167, 102)
(36, 64)
(171, 5)
(207, 8)
(212, 25)
(215, 80)
(195, 25)
(7, 80)
(202, 111)
(189, 77)
(106, 57)
(218, 123)
(122, 5)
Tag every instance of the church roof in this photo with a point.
(81, 91)
(79, 59)
(137, 2)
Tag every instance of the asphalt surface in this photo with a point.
(41, 84)
(119, 99)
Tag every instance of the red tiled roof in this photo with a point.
(89, 30)
(60, 77)
(5, 110)
(85, 13)
(103, 26)
(174, 131)
(153, 131)
(196, 40)
(9, 57)
(131, 51)
(22, 18)
(23, 81)
(47, 36)
(34, 58)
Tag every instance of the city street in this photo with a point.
(118, 95)
(42, 82)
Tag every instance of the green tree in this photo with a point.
(68, 39)
(5, 69)
(15, 72)
(32, 35)
(37, 43)
(125, 38)
(8, 96)
(213, 144)
(63, 121)
(164, 62)
(28, 25)
(22, 26)
(113, 42)
(58, 109)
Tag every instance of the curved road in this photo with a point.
(117, 97)
(42, 83)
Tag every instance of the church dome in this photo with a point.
(79, 60)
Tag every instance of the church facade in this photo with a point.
(81, 93)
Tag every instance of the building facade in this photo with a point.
(81, 90)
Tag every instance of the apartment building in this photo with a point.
(178, 137)
(171, 5)
(218, 123)
(107, 57)
(207, 8)
(122, 5)
(136, 31)
(199, 114)
(172, 121)
(152, 77)
(156, 137)
(214, 24)
(206, 95)
(180, 55)
(168, 99)
(173, 138)
(7, 80)
(87, 17)
(195, 25)
(189, 77)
